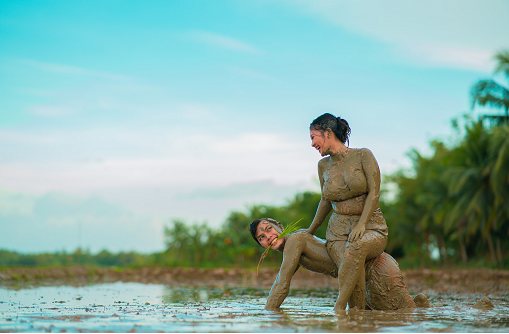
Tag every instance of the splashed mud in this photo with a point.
(138, 307)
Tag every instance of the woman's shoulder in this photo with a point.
(323, 161)
(299, 236)
(363, 152)
(303, 236)
(295, 241)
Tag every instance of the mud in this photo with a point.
(420, 300)
(171, 307)
(484, 304)
(470, 281)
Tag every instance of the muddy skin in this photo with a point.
(484, 304)
(356, 232)
(384, 282)
(421, 301)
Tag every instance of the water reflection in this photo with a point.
(200, 294)
(124, 307)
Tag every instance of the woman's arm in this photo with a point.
(372, 173)
(281, 287)
(324, 207)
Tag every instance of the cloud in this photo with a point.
(266, 191)
(99, 96)
(55, 221)
(51, 110)
(224, 42)
(252, 143)
(72, 70)
(147, 169)
(434, 32)
(229, 158)
(450, 56)
(194, 111)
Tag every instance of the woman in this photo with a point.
(386, 290)
(350, 185)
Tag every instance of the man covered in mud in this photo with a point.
(385, 289)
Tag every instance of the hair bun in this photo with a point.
(338, 125)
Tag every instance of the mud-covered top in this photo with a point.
(351, 177)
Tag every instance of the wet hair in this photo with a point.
(254, 225)
(337, 125)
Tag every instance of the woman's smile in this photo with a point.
(267, 236)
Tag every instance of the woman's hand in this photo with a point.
(357, 232)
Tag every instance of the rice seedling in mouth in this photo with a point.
(292, 227)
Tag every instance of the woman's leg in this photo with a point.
(351, 270)
(358, 296)
(336, 250)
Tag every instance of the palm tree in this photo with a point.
(493, 94)
(477, 207)
(500, 184)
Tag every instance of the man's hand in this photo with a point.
(357, 233)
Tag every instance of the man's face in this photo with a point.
(266, 233)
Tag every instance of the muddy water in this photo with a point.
(137, 307)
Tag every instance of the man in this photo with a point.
(385, 289)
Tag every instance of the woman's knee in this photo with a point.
(365, 248)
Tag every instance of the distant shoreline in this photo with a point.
(483, 281)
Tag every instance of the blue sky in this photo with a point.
(118, 116)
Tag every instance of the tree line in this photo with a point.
(452, 205)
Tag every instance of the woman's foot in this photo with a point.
(339, 311)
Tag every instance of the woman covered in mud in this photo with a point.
(385, 287)
(350, 185)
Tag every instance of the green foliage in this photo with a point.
(454, 206)
(78, 257)
(493, 94)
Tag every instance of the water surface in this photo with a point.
(137, 307)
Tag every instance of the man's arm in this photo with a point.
(281, 287)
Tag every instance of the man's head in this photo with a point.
(265, 231)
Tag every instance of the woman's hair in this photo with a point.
(254, 225)
(337, 125)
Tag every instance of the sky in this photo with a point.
(117, 117)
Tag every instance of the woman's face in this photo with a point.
(266, 233)
(318, 141)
